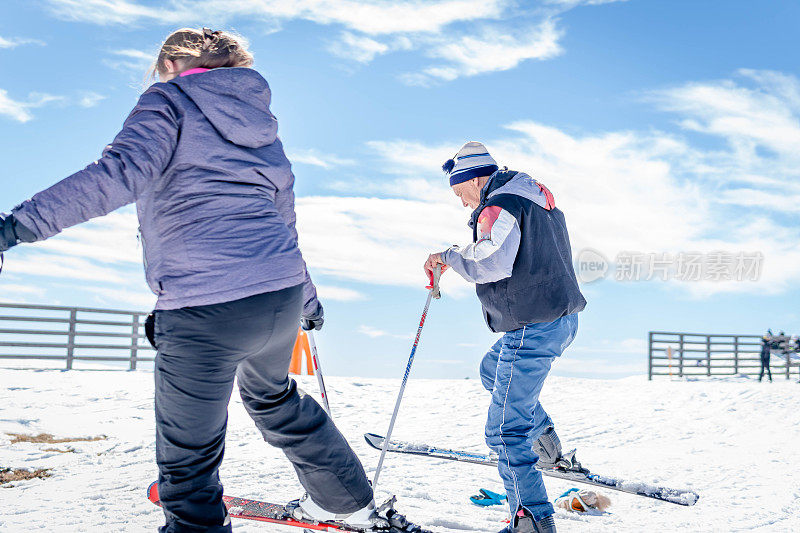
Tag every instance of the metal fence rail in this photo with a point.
(70, 334)
(702, 354)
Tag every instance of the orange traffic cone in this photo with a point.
(301, 348)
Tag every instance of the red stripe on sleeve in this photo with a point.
(487, 219)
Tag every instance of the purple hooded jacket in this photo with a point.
(201, 158)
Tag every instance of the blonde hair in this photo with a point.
(202, 49)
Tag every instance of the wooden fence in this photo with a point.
(701, 354)
(73, 334)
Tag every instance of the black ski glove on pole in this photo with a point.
(314, 320)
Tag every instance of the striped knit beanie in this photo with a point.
(472, 161)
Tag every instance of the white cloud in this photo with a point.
(492, 49)
(129, 59)
(375, 333)
(372, 17)
(469, 36)
(340, 294)
(378, 17)
(318, 159)
(101, 257)
(618, 190)
(370, 331)
(753, 180)
(32, 263)
(131, 53)
(575, 3)
(645, 191)
(14, 109)
(90, 99)
(357, 47)
(21, 110)
(105, 12)
(20, 292)
(773, 201)
(762, 114)
(107, 240)
(337, 232)
(651, 191)
(410, 158)
(131, 299)
(12, 42)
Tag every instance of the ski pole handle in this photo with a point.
(433, 282)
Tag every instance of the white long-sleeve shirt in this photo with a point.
(492, 257)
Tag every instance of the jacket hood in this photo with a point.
(520, 184)
(236, 102)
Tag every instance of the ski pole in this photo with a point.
(318, 372)
(433, 293)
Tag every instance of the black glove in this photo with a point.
(8, 237)
(12, 233)
(314, 320)
(150, 329)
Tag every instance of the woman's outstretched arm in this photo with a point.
(138, 154)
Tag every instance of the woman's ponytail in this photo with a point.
(202, 49)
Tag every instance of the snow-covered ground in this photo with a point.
(736, 442)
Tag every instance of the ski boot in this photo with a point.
(548, 448)
(369, 518)
(524, 522)
(365, 518)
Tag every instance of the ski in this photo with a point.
(276, 513)
(273, 513)
(680, 497)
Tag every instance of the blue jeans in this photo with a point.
(514, 371)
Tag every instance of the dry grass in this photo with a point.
(7, 475)
(69, 449)
(47, 438)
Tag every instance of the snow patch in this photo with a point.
(733, 441)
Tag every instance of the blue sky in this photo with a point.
(660, 127)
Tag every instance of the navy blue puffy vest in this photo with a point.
(542, 286)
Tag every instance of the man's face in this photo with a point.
(469, 192)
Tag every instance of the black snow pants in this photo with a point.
(200, 351)
(765, 363)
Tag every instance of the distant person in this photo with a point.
(200, 156)
(766, 340)
(784, 342)
(521, 264)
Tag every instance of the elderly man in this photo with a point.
(521, 263)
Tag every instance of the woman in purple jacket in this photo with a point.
(200, 156)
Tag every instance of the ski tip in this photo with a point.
(373, 440)
(152, 493)
(689, 498)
